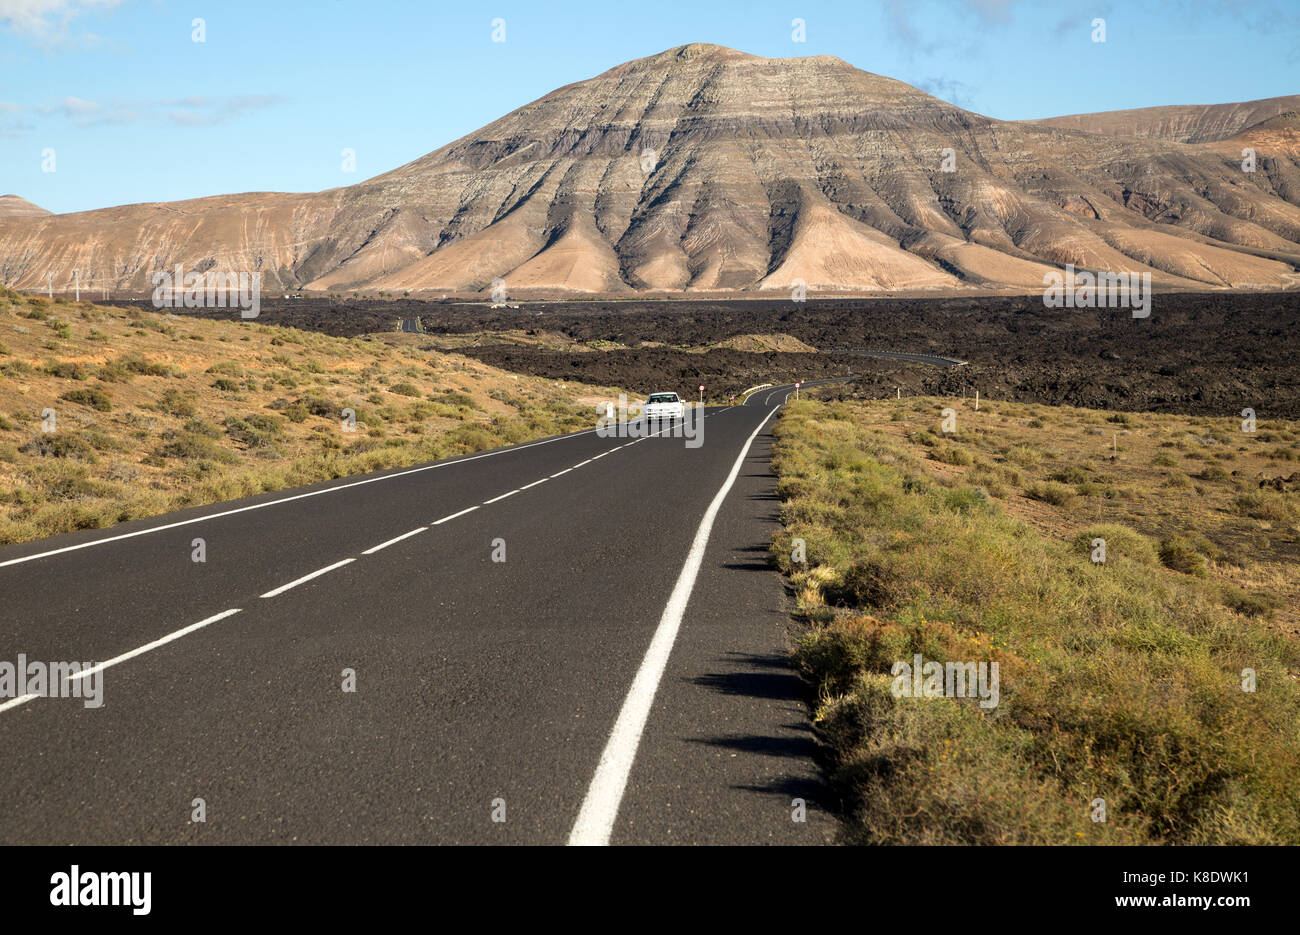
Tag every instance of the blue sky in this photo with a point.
(135, 110)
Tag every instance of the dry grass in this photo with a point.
(1189, 485)
(154, 412)
(1119, 680)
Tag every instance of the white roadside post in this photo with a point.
(977, 400)
(796, 391)
(701, 395)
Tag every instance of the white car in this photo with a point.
(661, 406)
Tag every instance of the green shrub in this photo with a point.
(254, 431)
(951, 454)
(65, 370)
(90, 396)
(1213, 472)
(64, 445)
(1071, 474)
(1052, 492)
(16, 368)
(1181, 554)
(192, 447)
(1266, 505)
(176, 403)
(1120, 541)
(1251, 603)
(320, 406)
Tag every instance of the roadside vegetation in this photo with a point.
(1121, 682)
(153, 412)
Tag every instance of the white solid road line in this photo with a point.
(535, 483)
(300, 496)
(15, 702)
(502, 497)
(599, 810)
(582, 463)
(447, 519)
(305, 578)
(154, 645)
(396, 539)
(562, 473)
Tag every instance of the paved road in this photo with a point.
(906, 356)
(618, 678)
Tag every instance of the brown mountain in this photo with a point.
(703, 168)
(11, 206)
(1193, 123)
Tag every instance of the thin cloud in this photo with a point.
(198, 111)
(948, 89)
(48, 23)
(193, 111)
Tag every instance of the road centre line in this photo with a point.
(396, 539)
(15, 702)
(156, 643)
(305, 578)
(184, 631)
(453, 516)
(502, 497)
(300, 496)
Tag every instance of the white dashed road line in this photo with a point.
(598, 795)
(305, 578)
(446, 519)
(396, 539)
(300, 496)
(156, 643)
(15, 702)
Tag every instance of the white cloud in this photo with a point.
(200, 111)
(193, 111)
(948, 89)
(46, 22)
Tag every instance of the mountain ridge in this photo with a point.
(706, 169)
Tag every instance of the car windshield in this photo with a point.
(662, 398)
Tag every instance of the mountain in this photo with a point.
(704, 168)
(1194, 123)
(11, 206)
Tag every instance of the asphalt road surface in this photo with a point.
(619, 678)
